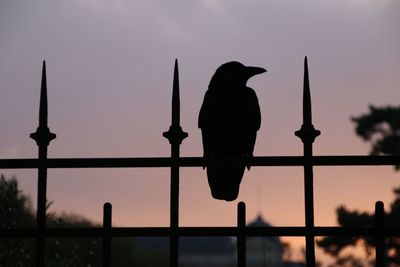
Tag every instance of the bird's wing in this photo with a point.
(204, 111)
(253, 110)
(206, 122)
(252, 121)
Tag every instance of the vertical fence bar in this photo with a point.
(380, 238)
(241, 237)
(42, 136)
(307, 134)
(106, 244)
(175, 136)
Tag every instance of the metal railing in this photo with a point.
(175, 135)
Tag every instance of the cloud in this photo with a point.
(214, 5)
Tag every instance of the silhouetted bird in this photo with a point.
(229, 120)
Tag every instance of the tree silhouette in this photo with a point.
(381, 127)
(335, 246)
(16, 212)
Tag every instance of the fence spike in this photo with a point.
(175, 97)
(307, 116)
(307, 133)
(43, 136)
(43, 98)
(175, 135)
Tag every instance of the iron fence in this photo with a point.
(176, 135)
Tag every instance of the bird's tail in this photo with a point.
(224, 180)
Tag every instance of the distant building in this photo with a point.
(221, 251)
(263, 251)
(207, 251)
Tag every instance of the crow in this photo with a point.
(229, 119)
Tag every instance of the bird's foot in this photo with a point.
(248, 159)
(205, 160)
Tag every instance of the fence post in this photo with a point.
(380, 237)
(175, 136)
(241, 236)
(307, 134)
(42, 136)
(106, 244)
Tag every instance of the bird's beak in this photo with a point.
(251, 71)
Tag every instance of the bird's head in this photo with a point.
(233, 74)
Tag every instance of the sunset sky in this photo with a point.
(109, 69)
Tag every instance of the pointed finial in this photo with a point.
(43, 98)
(307, 118)
(175, 97)
(43, 136)
(307, 133)
(175, 135)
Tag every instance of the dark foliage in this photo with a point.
(16, 212)
(381, 127)
(335, 245)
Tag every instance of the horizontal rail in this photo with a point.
(201, 231)
(164, 162)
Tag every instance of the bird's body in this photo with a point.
(229, 120)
